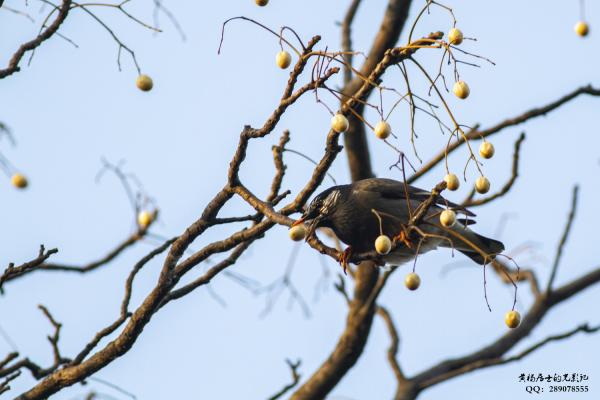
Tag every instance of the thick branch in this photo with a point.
(173, 270)
(351, 342)
(124, 304)
(491, 362)
(494, 351)
(355, 140)
(347, 39)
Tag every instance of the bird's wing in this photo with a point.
(391, 189)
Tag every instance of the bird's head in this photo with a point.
(320, 209)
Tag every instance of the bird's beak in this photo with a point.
(298, 222)
(312, 227)
(314, 219)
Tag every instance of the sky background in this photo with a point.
(72, 107)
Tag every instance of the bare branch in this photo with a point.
(485, 363)
(124, 304)
(212, 272)
(109, 257)
(507, 186)
(526, 116)
(13, 64)
(12, 272)
(494, 351)
(295, 379)
(38, 372)
(564, 238)
(347, 38)
(585, 328)
(355, 140)
(394, 341)
(4, 385)
(511, 275)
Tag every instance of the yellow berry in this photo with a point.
(145, 218)
(283, 59)
(455, 36)
(297, 232)
(482, 185)
(452, 182)
(412, 281)
(448, 218)
(339, 123)
(262, 3)
(383, 130)
(461, 90)
(383, 244)
(512, 319)
(486, 150)
(144, 83)
(19, 181)
(582, 29)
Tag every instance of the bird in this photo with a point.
(361, 211)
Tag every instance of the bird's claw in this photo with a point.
(403, 237)
(344, 257)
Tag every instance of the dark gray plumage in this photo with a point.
(347, 210)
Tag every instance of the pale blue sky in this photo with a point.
(72, 106)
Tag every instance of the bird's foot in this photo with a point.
(344, 257)
(403, 237)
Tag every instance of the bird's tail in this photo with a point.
(478, 248)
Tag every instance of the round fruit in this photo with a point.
(145, 218)
(383, 130)
(455, 36)
(512, 319)
(283, 59)
(339, 123)
(448, 218)
(486, 150)
(144, 83)
(482, 185)
(582, 29)
(262, 3)
(461, 90)
(412, 281)
(383, 244)
(19, 181)
(297, 232)
(452, 182)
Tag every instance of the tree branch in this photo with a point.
(507, 186)
(347, 39)
(37, 371)
(476, 133)
(494, 351)
(564, 238)
(13, 64)
(394, 341)
(295, 379)
(12, 272)
(355, 140)
(485, 363)
(82, 269)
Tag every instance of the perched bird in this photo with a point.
(351, 212)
